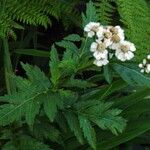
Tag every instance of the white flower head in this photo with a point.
(92, 28)
(101, 62)
(117, 34)
(107, 33)
(124, 50)
(99, 49)
(145, 66)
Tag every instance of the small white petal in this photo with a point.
(141, 65)
(142, 70)
(121, 56)
(101, 62)
(130, 55)
(100, 32)
(105, 61)
(98, 63)
(144, 61)
(114, 46)
(98, 55)
(93, 47)
(148, 67)
(90, 34)
(108, 42)
(99, 40)
(121, 36)
(147, 71)
(148, 57)
(86, 29)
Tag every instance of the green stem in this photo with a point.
(8, 67)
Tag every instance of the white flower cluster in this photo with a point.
(145, 65)
(108, 37)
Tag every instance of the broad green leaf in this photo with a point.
(73, 37)
(52, 103)
(131, 100)
(32, 52)
(138, 109)
(88, 131)
(133, 130)
(131, 76)
(108, 74)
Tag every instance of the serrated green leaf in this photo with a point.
(69, 45)
(68, 66)
(54, 65)
(31, 109)
(43, 130)
(88, 131)
(52, 103)
(90, 15)
(102, 115)
(21, 83)
(36, 76)
(74, 125)
(8, 114)
(28, 143)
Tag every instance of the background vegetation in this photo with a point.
(28, 28)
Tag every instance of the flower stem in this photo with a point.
(8, 67)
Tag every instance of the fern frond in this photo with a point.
(35, 13)
(105, 11)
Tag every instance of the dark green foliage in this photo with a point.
(72, 106)
(38, 95)
(33, 12)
